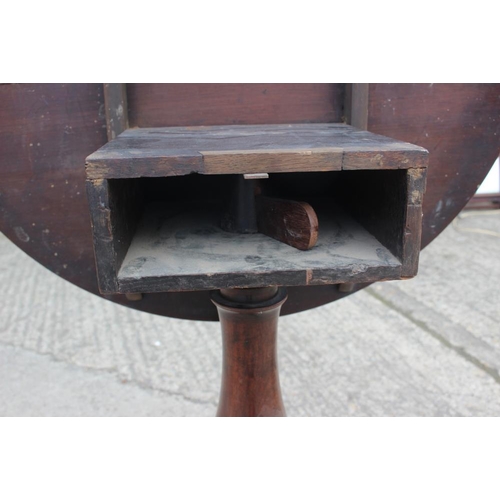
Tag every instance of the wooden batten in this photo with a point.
(249, 149)
(116, 108)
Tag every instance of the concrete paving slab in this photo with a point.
(459, 275)
(34, 385)
(424, 347)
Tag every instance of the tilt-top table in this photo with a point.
(238, 202)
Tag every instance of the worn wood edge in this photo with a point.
(313, 221)
(111, 163)
(416, 184)
(215, 163)
(290, 278)
(100, 217)
(272, 161)
(130, 168)
(385, 160)
(116, 108)
(235, 162)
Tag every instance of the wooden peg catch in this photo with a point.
(292, 222)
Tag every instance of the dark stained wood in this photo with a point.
(415, 188)
(182, 248)
(378, 200)
(250, 380)
(249, 149)
(292, 222)
(46, 131)
(385, 159)
(272, 160)
(240, 215)
(172, 105)
(375, 200)
(104, 248)
(181, 245)
(458, 123)
(358, 114)
(115, 104)
(115, 211)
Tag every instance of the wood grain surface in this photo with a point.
(244, 149)
(116, 107)
(172, 105)
(250, 378)
(183, 248)
(292, 222)
(47, 131)
(459, 124)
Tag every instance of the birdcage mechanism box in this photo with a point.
(202, 208)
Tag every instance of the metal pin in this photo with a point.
(249, 177)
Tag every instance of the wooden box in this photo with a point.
(157, 197)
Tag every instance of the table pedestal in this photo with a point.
(250, 380)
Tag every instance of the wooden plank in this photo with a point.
(172, 105)
(378, 201)
(247, 149)
(279, 160)
(178, 163)
(416, 179)
(160, 141)
(115, 208)
(105, 256)
(182, 249)
(115, 104)
(380, 159)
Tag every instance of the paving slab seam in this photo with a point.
(134, 382)
(492, 371)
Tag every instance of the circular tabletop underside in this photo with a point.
(47, 131)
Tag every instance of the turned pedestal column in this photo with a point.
(250, 380)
